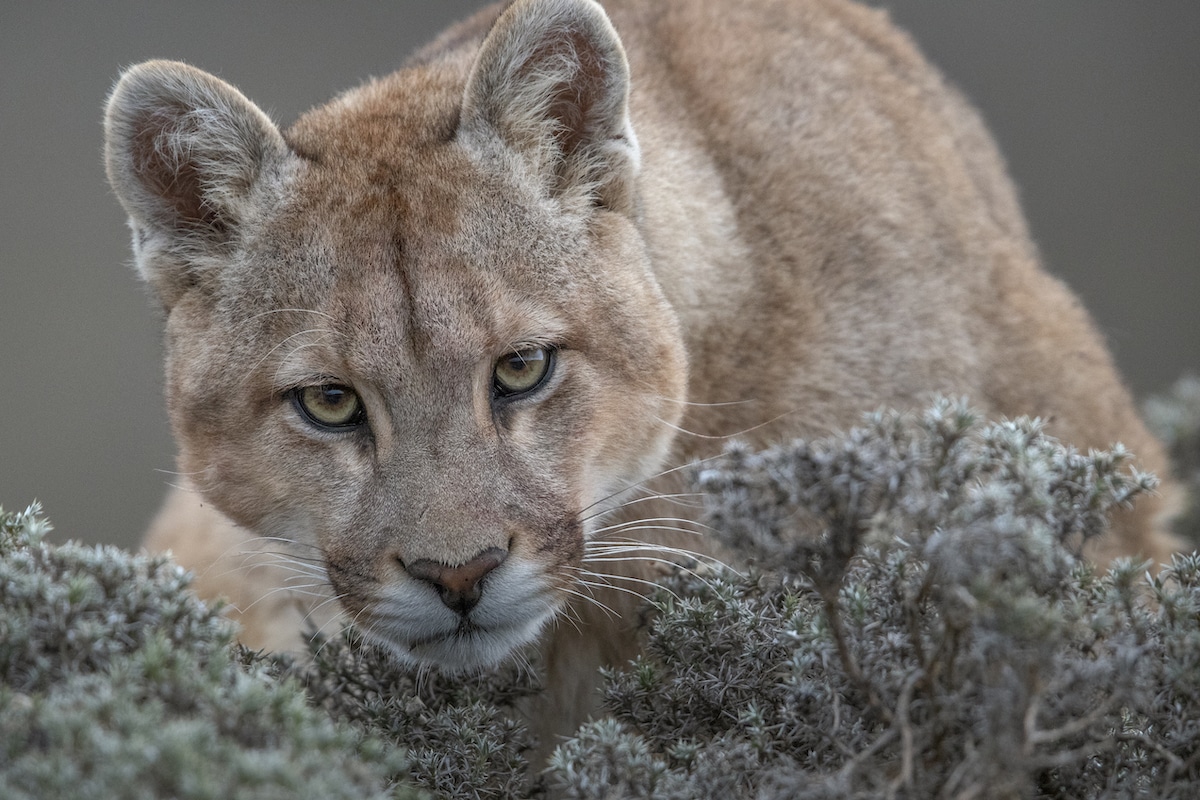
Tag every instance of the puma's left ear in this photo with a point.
(552, 83)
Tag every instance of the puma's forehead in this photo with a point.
(361, 271)
(399, 263)
(385, 164)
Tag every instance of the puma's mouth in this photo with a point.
(418, 629)
(464, 648)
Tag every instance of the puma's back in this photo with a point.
(433, 333)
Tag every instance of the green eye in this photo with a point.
(523, 371)
(329, 405)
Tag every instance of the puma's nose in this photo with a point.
(458, 586)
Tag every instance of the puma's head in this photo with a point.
(418, 330)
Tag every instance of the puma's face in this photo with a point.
(419, 332)
(441, 404)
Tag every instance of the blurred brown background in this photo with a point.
(1096, 104)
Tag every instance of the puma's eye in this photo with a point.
(523, 371)
(329, 405)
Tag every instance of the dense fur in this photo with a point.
(754, 219)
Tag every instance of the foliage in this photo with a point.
(1175, 417)
(913, 622)
(915, 626)
(119, 683)
(461, 734)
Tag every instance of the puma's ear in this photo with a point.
(185, 152)
(552, 83)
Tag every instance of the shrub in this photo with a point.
(461, 734)
(1175, 417)
(119, 683)
(913, 622)
(916, 625)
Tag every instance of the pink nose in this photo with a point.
(459, 587)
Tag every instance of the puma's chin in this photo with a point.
(434, 636)
(458, 650)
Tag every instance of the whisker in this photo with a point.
(325, 332)
(599, 582)
(283, 363)
(286, 310)
(696, 404)
(590, 600)
(179, 474)
(570, 614)
(306, 590)
(645, 524)
(643, 559)
(628, 544)
(726, 436)
(633, 526)
(296, 563)
(348, 627)
(643, 581)
(299, 573)
(644, 481)
(317, 559)
(611, 587)
(674, 498)
(609, 550)
(319, 630)
(625, 589)
(251, 558)
(330, 598)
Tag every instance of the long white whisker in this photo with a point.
(630, 578)
(603, 584)
(298, 575)
(617, 550)
(328, 599)
(590, 600)
(304, 590)
(645, 524)
(609, 586)
(286, 553)
(597, 580)
(583, 511)
(734, 435)
(285, 540)
(325, 332)
(265, 595)
(631, 527)
(253, 317)
(629, 544)
(570, 613)
(632, 554)
(643, 559)
(674, 499)
(251, 559)
(696, 404)
(284, 361)
(179, 474)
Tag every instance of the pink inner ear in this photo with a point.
(166, 171)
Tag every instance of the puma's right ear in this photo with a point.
(184, 152)
(552, 83)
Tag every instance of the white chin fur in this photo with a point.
(410, 621)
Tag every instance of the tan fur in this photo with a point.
(787, 220)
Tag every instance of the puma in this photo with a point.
(435, 350)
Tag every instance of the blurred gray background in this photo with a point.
(1096, 104)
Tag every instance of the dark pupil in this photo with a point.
(520, 364)
(332, 396)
